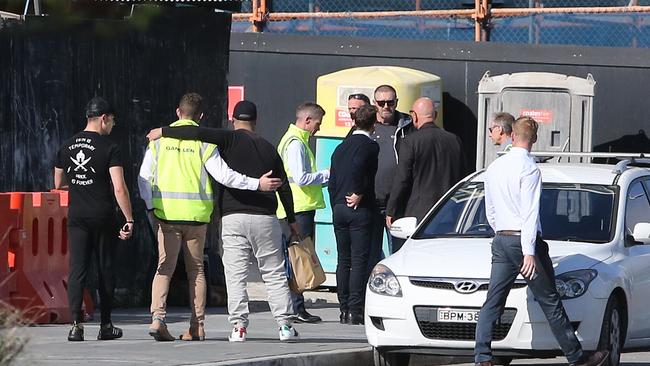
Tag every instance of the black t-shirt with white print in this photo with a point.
(85, 159)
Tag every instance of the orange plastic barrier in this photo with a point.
(9, 236)
(40, 253)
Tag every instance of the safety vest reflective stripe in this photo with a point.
(203, 178)
(181, 187)
(201, 196)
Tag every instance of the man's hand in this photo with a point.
(268, 184)
(389, 221)
(528, 267)
(126, 231)
(154, 134)
(295, 229)
(353, 200)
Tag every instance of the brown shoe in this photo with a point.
(595, 359)
(158, 330)
(484, 363)
(195, 333)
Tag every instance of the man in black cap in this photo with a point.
(248, 224)
(87, 164)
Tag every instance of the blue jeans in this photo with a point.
(506, 263)
(352, 230)
(305, 221)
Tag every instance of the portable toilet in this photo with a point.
(332, 91)
(561, 104)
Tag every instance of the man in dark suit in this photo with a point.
(352, 195)
(431, 161)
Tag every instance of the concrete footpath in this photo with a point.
(325, 343)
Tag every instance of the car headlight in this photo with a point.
(382, 281)
(575, 283)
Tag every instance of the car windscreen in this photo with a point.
(569, 212)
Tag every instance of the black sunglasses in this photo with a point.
(362, 97)
(382, 103)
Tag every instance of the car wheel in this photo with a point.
(390, 358)
(505, 361)
(612, 333)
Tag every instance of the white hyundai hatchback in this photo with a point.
(426, 298)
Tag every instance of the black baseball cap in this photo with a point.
(245, 111)
(98, 106)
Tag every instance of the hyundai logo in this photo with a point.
(466, 287)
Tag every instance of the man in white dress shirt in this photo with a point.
(513, 186)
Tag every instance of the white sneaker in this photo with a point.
(288, 333)
(237, 334)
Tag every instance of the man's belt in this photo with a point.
(509, 232)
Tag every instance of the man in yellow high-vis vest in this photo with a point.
(175, 186)
(305, 181)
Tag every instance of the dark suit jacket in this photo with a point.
(431, 161)
(353, 169)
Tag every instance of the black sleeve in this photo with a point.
(403, 179)
(58, 162)
(114, 156)
(368, 170)
(464, 169)
(284, 192)
(220, 137)
(331, 183)
(374, 162)
(360, 165)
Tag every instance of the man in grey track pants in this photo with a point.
(249, 225)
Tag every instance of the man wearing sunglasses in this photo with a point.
(500, 130)
(356, 101)
(391, 128)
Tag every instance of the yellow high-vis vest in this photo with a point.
(181, 187)
(305, 198)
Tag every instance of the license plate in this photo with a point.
(457, 316)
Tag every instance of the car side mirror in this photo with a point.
(642, 232)
(403, 228)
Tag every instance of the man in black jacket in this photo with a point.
(352, 197)
(391, 128)
(430, 162)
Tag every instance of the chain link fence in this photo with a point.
(608, 30)
(576, 22)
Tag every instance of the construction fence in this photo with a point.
(612, 23)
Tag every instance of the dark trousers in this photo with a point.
(507, 258)
(305, 221)
(91, 239)
(378, 227)
(352, 229)
(377, 238)
(396, 244)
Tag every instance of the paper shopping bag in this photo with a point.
(307, 273)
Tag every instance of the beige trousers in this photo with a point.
(171, 238)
